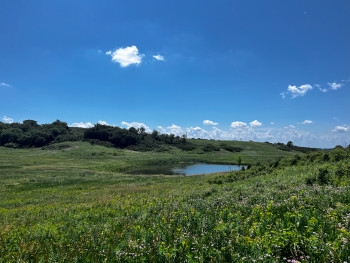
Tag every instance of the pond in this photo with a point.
(185, 169)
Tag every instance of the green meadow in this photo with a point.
(75, 202)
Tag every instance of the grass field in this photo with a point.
(73, 203)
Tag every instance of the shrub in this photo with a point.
(210, 147)
(11, 145)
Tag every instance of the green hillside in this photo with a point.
(72, 202)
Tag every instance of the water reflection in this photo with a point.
(186, 169)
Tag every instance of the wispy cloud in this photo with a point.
(319, 87)
(5, 84)
(255, 124)
(159, 57)
(208, 122)
(272, 123)
(344, 128)
(126, 56)
(82, 124)
(335, 86)
(298, 91)
(7, 120)
(289, 127)
(306, 122)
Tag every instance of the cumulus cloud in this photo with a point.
(299, 91)
(5, 84)
(136, 125)
(255, 124)
(344, 128)
(126, 56)
(335, 86)
(159, 57)
(238, 125)
(272, 123)
(306, 122)
(298, 137)
(174, 129)
(103, 123)
(82, 124)
(7, 120)
(208, 122)
(245, 132)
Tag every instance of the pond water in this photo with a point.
(185, 169)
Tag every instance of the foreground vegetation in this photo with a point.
(69, 202)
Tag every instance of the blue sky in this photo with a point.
(243, 70)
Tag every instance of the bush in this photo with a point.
(232, 148)
(210, 147)
(57, 146)
(11, 145)
(187, 146)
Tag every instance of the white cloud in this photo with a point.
(306, 122)
(335, 86)
(159, 57)
(176, 130)
(136, 125)
(319, 87)
(208, 122)
(334, 118)
(82, 125)
(103, 123)
(5, 84)
(238, 125)
(298, 137)
(255, 124)
(283, 94)
(245, 132)
(272, 123)
(289, 127)
(7, 120)
(126, 56)
(344, 128)
(299, 91)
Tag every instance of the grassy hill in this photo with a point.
(71, 202)
(83, 155)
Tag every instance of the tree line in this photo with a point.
(31, 134)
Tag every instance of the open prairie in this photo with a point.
(73, 202)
